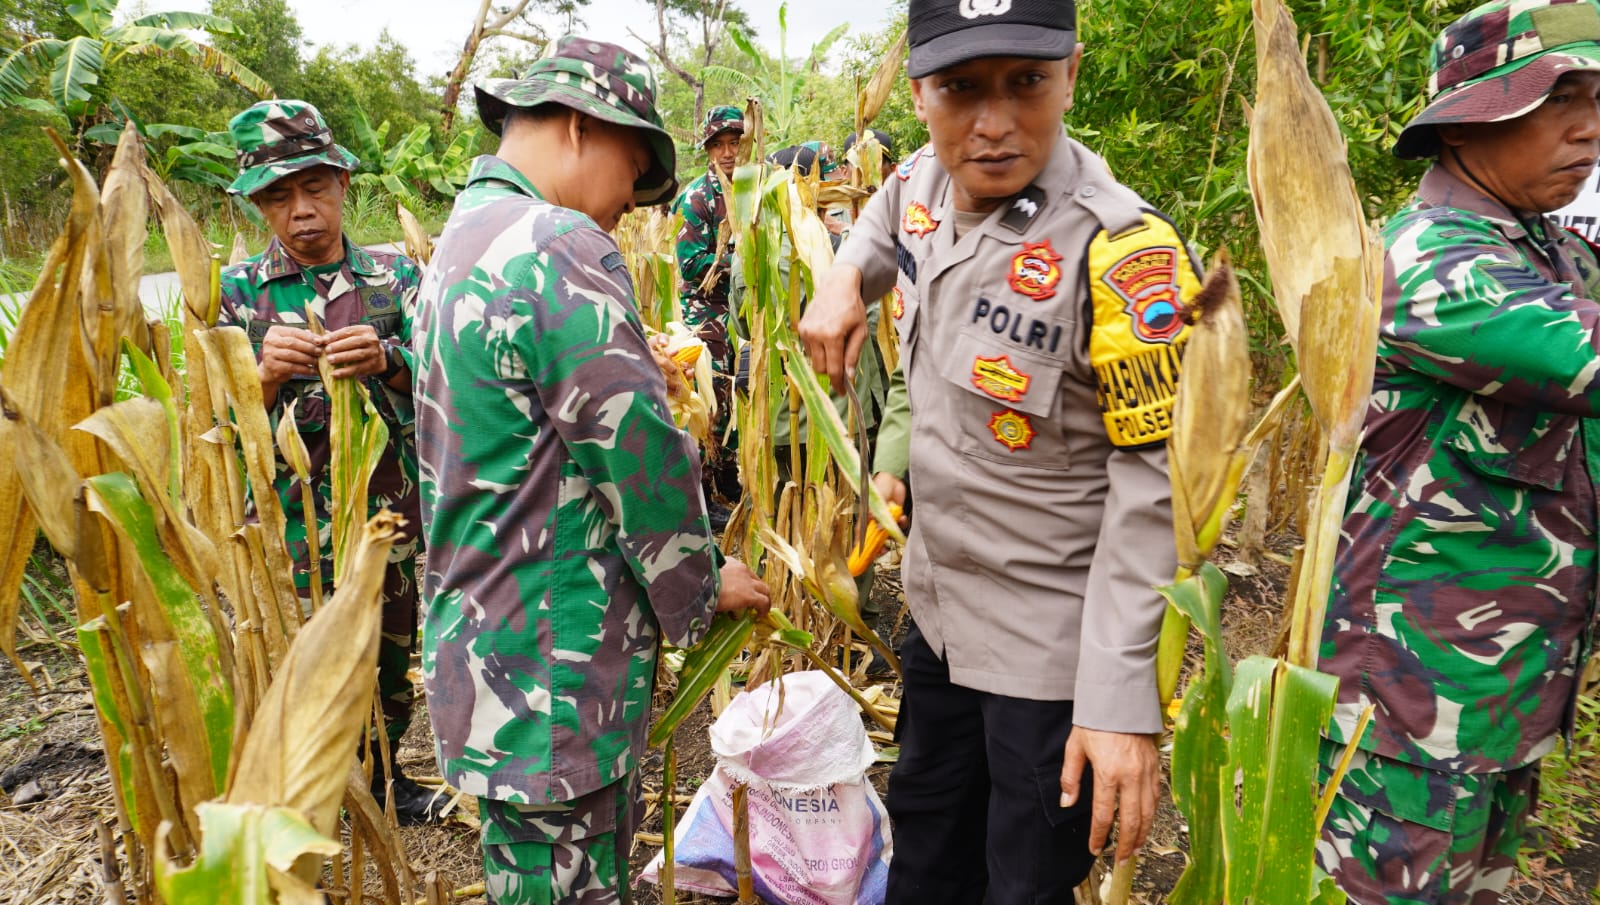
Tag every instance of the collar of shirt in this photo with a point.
(489, 168)
(276, 263)
(1442, 188)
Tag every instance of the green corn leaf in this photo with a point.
(245, 858)
(1276, 714)
(825, 419)
(701, 667)
(117, 497)
(1200, 746)
(95, 642)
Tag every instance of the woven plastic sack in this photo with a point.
(819, 835)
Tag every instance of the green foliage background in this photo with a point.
(1162, 96)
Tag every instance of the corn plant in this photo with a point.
(1244, 763)
(188, 619)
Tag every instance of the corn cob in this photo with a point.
(871, 545)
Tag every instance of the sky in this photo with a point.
(434, 30)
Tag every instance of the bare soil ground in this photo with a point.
(54, 788)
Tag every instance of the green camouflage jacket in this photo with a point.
(704, 208)
(562, 508)
(1464, 586)
(367, 287)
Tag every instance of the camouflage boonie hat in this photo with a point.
(602, 80)
(1499, 62)
(827, 166)
(725, 118)
(276, 138)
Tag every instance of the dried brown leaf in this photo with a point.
(300, 747)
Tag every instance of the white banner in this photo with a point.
(1583, 215)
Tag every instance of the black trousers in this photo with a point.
(976, 795)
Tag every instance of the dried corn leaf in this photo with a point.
(873, 97)
(419, 247)
(1211, 416)
(191, 253)
(46, 380)
(299, 750)
(1313, 233)
(179, 646)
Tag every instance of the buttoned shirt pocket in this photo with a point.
(1005, 411)
(1512, 443)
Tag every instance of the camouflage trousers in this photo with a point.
(574, 853)
(1399, 834)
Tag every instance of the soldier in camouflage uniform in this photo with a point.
(703, 292)
(293, 172)
(1465, 582)
(567, 534)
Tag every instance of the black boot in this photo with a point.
(413, 803)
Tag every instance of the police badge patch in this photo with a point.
(1012, 429)
(1146, 280)
(898, 307)
(1035, 271)
(998, 378)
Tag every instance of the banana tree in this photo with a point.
(60, 73)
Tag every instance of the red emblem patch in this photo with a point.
(918, 221)
(898, 308)
(1012, 430)
(1035, 271)
(1147, 281)
(998, 378)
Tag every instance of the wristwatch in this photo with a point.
(396, 362)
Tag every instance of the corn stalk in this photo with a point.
(1246, 738)
(186, 605)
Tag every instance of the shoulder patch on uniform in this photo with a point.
(1138, 282)
(918, 220)
(1023, 209)
(613, 261)
(903, 170)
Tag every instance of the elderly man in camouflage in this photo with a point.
(566, 530)
(1465, 584)
(297, 177)
(703, 291)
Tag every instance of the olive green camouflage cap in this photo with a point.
(720, 119)
(1499, 62)
(602, 80)
(278, 137)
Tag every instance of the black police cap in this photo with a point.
(945, 33)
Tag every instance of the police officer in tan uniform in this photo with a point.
(1039, 306)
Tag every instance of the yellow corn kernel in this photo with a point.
(871, 546)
